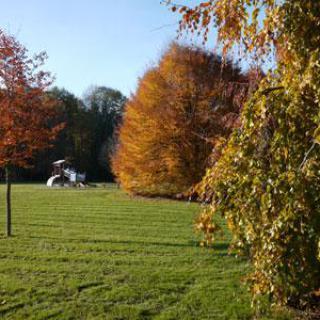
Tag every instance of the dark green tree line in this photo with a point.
(87, 138)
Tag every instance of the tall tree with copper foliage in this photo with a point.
(267, 182)
(26, 110)
(182, 107)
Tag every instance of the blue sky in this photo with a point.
(93, 42)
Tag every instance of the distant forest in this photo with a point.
(88, 138)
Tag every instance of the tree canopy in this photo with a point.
(182, 107)
(25, 108)
(105, 106)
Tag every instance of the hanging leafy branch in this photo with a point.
(266, 184)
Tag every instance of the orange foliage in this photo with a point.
(25, 108)
(181, 108)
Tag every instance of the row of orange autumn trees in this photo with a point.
(183, 107)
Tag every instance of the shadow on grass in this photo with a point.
(11, 309)
(5, 237)
(220, 246)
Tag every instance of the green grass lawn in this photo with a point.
(99, 254)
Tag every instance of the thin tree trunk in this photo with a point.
(8, 182)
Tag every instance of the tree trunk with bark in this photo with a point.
(8, 198)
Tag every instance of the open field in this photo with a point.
(99, 254)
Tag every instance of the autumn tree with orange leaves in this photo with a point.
(182, 107)
(26, 110)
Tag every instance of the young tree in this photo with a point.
(26, 109)
(182, 107)
(266, 184)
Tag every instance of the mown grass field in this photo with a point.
(99, 254)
